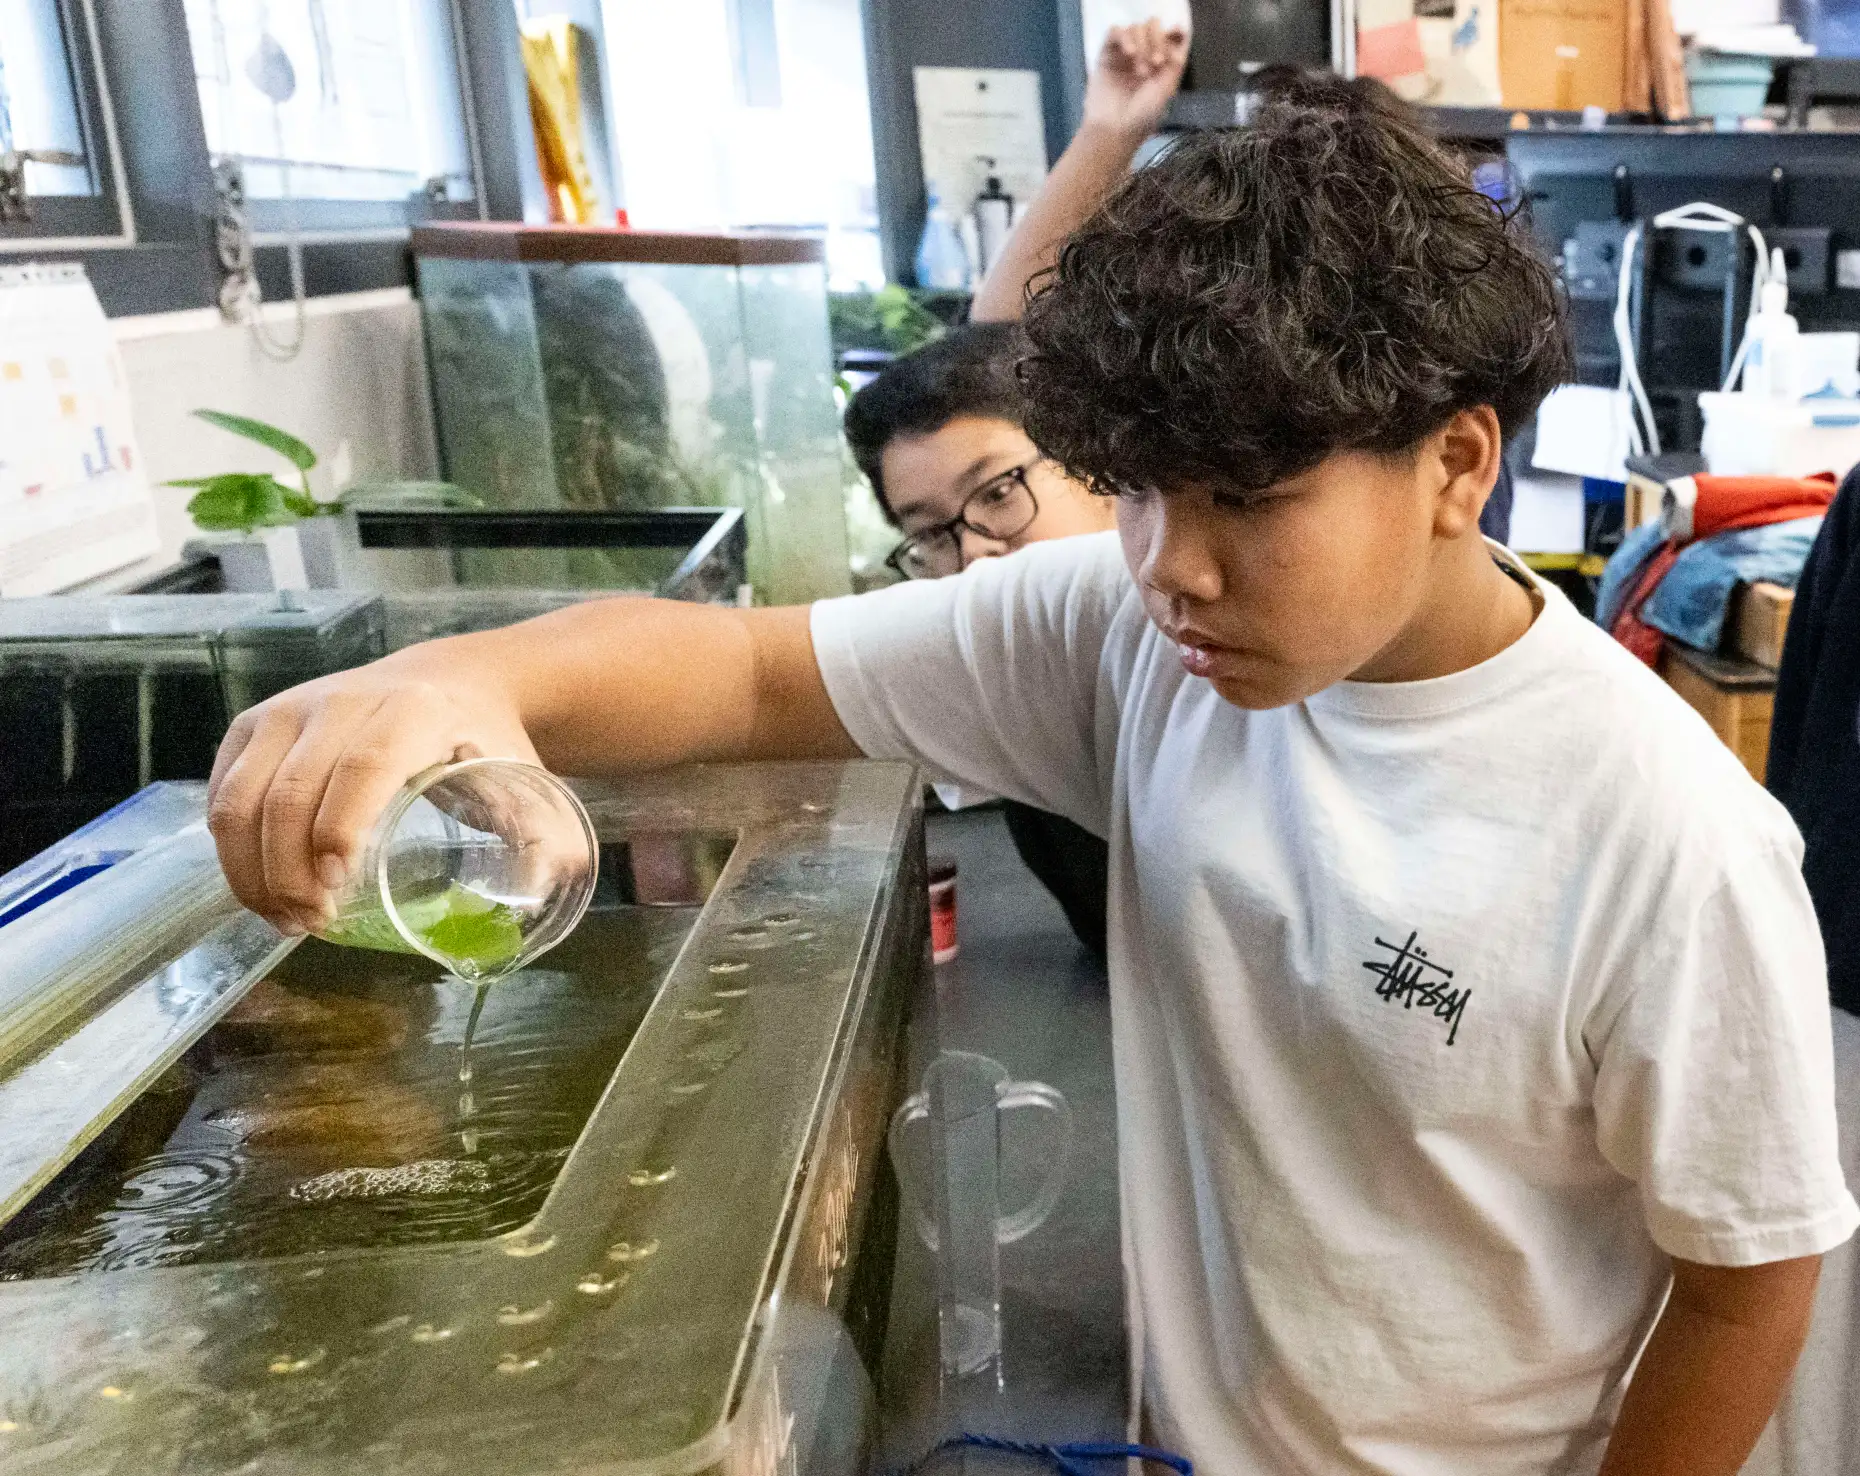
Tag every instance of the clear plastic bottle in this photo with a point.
(1769, 362)
(941, 261)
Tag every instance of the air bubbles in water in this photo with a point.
(425, 1176)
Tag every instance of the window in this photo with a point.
(774, 124)
(56, 167)
(340, 113)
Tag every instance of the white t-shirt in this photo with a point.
(1440, 1009)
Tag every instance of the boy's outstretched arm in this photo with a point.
(1714, 1369)
(599, 688)
(1137, 72)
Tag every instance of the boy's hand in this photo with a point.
(301, 778)
(1138, 70)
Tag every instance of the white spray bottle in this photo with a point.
(1769, 363)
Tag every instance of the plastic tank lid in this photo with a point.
(66, 617)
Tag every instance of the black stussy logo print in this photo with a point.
(1414, 981)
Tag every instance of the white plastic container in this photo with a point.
(1827, 363)
(1754, 435)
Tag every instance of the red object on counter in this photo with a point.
(943, 942)
(1706, 505)
(1703, 507)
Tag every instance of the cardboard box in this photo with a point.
(1563, 53)
(1759, 621)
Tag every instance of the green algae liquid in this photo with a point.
(479, 938)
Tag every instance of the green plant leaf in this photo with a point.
(303, 505)
(283, 442)
(408, 494)
(240, 502)
(906, 323)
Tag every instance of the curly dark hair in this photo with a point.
(1325, 279)
(968, 371)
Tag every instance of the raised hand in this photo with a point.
(1138, 70)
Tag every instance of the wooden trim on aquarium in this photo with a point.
(512, 241)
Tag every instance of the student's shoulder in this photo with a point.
(1650, 757)
(1083, 578)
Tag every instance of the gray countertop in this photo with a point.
(1026, 993)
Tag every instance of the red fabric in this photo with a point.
(1726, 503)
(1629, 629)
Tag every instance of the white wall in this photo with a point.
(360, 378)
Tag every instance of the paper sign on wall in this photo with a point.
(74, 501)
(976, 121)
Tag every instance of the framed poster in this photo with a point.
(973, 122)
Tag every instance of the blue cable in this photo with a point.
(1065, 1459)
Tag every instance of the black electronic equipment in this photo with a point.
(1233, 38)
(1691, 289)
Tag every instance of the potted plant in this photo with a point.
(280, 526)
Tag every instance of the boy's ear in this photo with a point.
(1464, 455)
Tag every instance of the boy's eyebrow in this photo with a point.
(974, 469)
(965, 480)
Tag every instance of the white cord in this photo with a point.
(1630, 369)
(1700, 215)
(279, 350)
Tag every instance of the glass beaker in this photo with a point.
(963, 1099)
(481, 865)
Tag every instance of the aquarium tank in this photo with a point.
(587, 368)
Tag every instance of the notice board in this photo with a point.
(74, 501)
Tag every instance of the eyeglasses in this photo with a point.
(1002, 508)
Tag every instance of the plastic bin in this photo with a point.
(1726, 85)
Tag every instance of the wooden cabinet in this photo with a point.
(1736, 696)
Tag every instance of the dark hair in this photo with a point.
(968, 371)
(1324, 279)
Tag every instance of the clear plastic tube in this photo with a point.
(105, 934)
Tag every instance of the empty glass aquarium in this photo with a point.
(586, 368)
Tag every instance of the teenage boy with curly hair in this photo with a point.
(1475, 1100)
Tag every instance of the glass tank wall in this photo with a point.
(598, 369)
